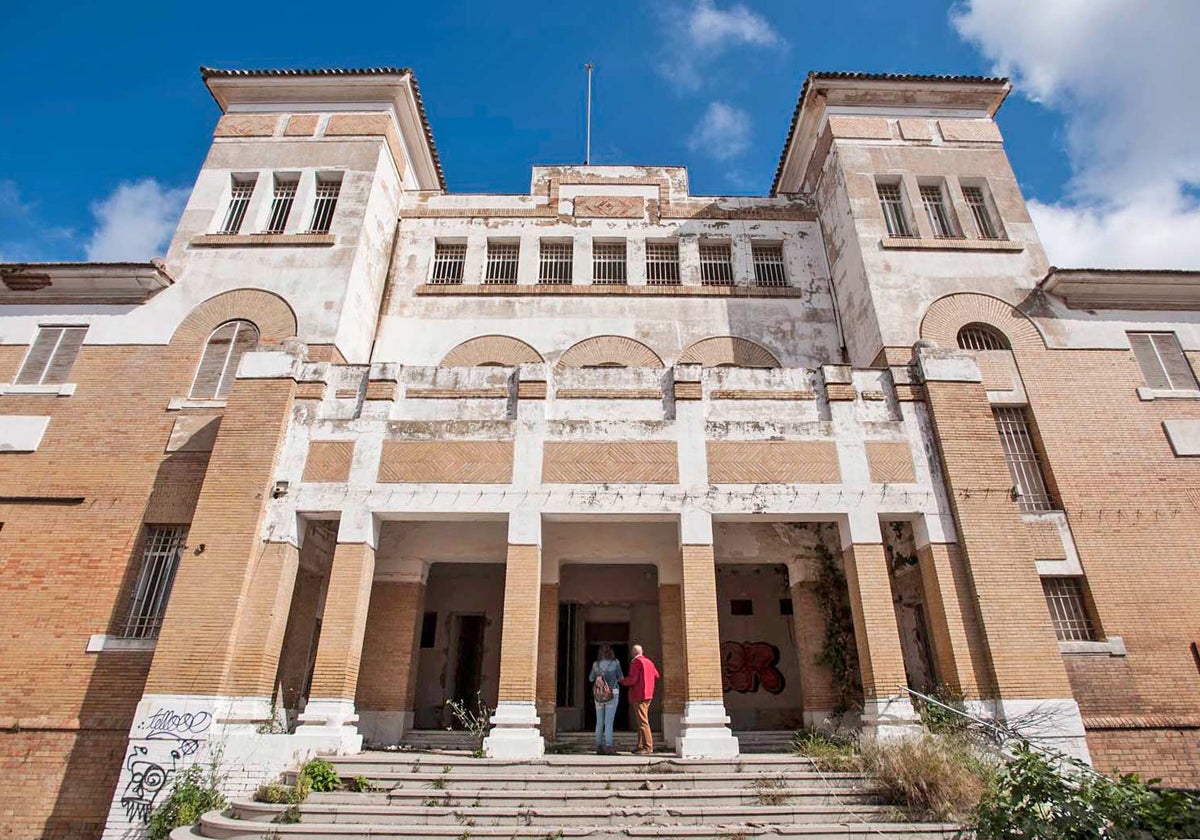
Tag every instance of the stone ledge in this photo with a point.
(65, 390)
(265, 240)
(901, 243)
(592, 289)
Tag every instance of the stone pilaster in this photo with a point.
(391, 649)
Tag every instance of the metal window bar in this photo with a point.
(979, 210)
(935, 209)
(503, 259)
(325, 203)
(51, 356)
(1024, 462)
(160, 559)
(979, 337)
(554, 263)
(1068, 609)
(239, 200)
(449, 262)
(281, 205)
(716, 265)
(608, 264)
(662, 264)
(892, 203)
(768, 265)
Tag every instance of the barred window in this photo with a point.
(239, 199)
(977, 201)
(891, 200)
(716, 265)
(222, 354)
(662, 263)
(555, 263)
(608, 263)
(981, 337)
(449, 260)
(503, 259)
(1024, 460)
(51, 356)
(768, 264)
(1164, 366)
(281, 203)
(328, 188)
(1068, 609)
(934, 199)
(162, 547)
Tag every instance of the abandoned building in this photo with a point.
(358, 446)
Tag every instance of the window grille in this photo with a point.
(160, 560)
(981, 337)
(281, 204)
(449, 260)
(503, 259)
(768, 264)
(1068, 609)
(239, 200)
(51, 356)
(1024, 462)
(935, 209)
(1164, 366)
(324, 204)
(716, 265)
(662, 263)
(608, 263)
(979, 210)
(892, 203)
(554, 263)
(218, 367)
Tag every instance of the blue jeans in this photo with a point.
(605, 713)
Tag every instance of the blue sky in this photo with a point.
(106, 121)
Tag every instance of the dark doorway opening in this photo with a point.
(595, 634)
(468, 658)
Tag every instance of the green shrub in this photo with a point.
(831, 752)
(938, 719)
(278, 793)
(321, 776)
(361, 784)
(932, 776)
(194, 792)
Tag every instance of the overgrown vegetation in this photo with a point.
(945, 712)
(321, 776)
(831, 752)
(932, 776)
(277, 793)
(838, 651)
(474, 721)
(194, 792)
(361, 784)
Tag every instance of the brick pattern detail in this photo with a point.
(816, 680)
(328, 460)
(547, 659)
(382, 390)
(608, 394)
(840, 392)
(262, 621)
(890, 462)
(519, 630)
(310, 391)
(247, 125)
(391, 647)
(609, 207)
(1046, 541)
(860, 128)
(454, 393)
(998, 369)
(1172, 754)
(910, 393)
(729, 350)
(609, 349)
(269, 312)
(742, 394)
(370, 125)
(689, 391)
(959, 648)
(301, 125)
(876, 636)
(674, 653)
(970, 131)
(446, 462)
(531, 390)
(915, 130)
(701, 636)
(650, 462)
(769, 462)
(491, 350)
(950, 314)
(344, 622)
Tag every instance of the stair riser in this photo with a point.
(449, 782)
(645, 799)
(349, 768)
(814, 832)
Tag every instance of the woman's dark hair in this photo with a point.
(606, 652)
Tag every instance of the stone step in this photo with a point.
(746, 794)
(402, 761)
(464, 780)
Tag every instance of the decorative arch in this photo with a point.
(609, 351)
(268, 312)
(729, 351)
(502, 350)
(947, 315)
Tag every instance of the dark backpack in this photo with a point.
(601, 691)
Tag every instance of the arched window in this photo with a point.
(224, 350)
(981, 337)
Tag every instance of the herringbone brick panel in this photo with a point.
(651, 462)
(446, 462)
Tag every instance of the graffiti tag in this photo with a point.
(745, 666)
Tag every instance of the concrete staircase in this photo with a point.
(453, 796)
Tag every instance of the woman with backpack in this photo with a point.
(606, 692)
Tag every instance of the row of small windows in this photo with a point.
(284, 188)
(938, 211)
(556, 260)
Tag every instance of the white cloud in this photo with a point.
(698, 35)
(723, 132)
(135, 222)
(1122, 74)
(10, 200)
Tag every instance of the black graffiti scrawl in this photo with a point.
(153, 759)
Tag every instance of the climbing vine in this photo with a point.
(838, 652)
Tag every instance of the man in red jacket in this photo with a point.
(640, 682)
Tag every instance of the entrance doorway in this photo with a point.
(595, 634)
(468, 658)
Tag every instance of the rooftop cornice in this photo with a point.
(81, 282)
(1109, 288)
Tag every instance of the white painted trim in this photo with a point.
(178, 403)
(704, 731)
(1149, 394)
(101, 642)
(1112, 646)
(515, 733)
(64, 390)
(21, 433)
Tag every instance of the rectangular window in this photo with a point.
(786, 607)
(328, 188)
(51, 356)
(239, 199)
(716, 265)
(768, 264)
(1024, 460)
(1164, 366)
(281, 204)
(933, 197)
(608, 263)
(555, 263)
(891, 200)
(988, 229)
(741, 606)
(1068, 609)
(449, 260)
(429, 630)
(502, 261)
(662, 263)
(161, 550)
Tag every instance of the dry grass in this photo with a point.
(939, 777)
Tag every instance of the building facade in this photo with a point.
(359, 446)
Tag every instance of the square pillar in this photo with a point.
(515, 733)
(547, 662)
(818, 697)
(953, 622)
(674, 657)
(262, 624)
